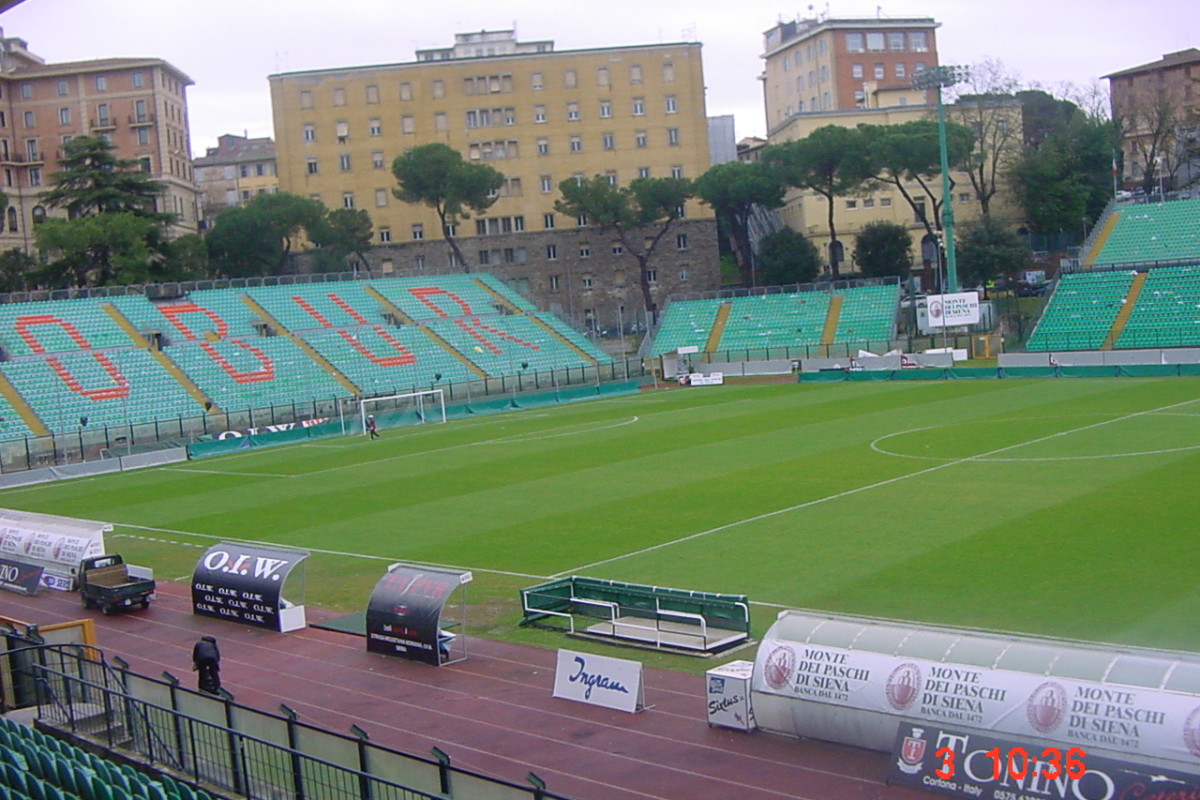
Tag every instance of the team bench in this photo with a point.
(649, 615)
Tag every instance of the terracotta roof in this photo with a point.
(1189, 56)
(97, 65)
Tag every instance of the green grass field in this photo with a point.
(1059, 507)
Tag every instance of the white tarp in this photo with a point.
(55, 543)
(1087, 714)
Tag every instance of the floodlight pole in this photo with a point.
(937, 78)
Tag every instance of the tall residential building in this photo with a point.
(137, 104)
(233, 172)
(1157, 106)
(821, 65)
(537, 115)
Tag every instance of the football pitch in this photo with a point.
(1054, 507)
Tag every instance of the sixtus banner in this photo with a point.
(17, 576)
(244, 583)
(959, 762)
(1113, 717)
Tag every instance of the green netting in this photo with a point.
(969, 373)
(1189, 369)
(918, 374)
(576, 393)
(535, 400)
(490, 405)
(1149, 370)
(827, 376)
(1029, 372)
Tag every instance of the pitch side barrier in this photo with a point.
(410, 415)
(976, 373)
(665, 618)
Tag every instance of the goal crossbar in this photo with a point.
(429, 406)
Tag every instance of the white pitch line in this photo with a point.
(980, 458)
(221, 472)
(365, 556)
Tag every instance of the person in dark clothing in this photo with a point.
(206, 661)
(371, 428)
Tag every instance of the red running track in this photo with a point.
(492, 713)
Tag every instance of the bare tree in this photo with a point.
(1159, 132)
(987, 105)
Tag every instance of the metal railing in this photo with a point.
(221, 745)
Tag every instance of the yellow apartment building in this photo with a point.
(537, 115)
(137, 104)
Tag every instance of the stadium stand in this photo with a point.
(1167, 311)
(36, 766)
(1081, 311)
(233, 349)
(867, 314)
(1147, 232)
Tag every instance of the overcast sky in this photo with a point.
(229, 48)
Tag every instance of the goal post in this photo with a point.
(407, 408)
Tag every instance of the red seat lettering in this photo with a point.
(121, 389)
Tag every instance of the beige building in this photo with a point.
(1158, 108)
(233, 172)
(537, 115)
(823, 65)
(807, 211)
(138, 104)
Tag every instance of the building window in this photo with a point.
(681, 242)
(377, 159)
(639, 106)
(618, 249)
(30, 122)
(339, 96)
(643, 172)
(856, 71)
(143, 136)
(854, 43)
(418, 231)
(875, 42)
(680, 211)
(824, 73)
(639, 138)
(860, 98)
(611, 176)
(587, 282)
(347, 199)
(570, 79)
(548, 221)
(896, 41)
(635, 73)
(311, 163)
(581, 221)
(537, 81)
(372, 94)
(572, 111)
(485, 257)
(851, 205)
(32, 150)
(381, 198)
(310, 133)
(900, 70)
(677, 171)
(673, 136)
(306, 99)
(539, 114)
(547, 184)
(385, 235)
(671, 105)
(139, 80)
(408, 124)
(652, 276)
(63, 88)
(554, 279)
(602, 76)
(964, 197)
(610, 141)
(668, 72)
(440, 121)
(917, 42)
(543, 147)
(419, 263)
(576, 144)
(585, 250)
(375, 126)
(552, 253)
(885, 202)
(35, 176)
(344, 162)
(101, 83)
(879, 72)
(64, 116)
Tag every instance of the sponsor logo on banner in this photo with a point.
(961, 308)
(599, 680)
(912, 753)
(962, 763)
(16, 576)
(242, 583)
(904, 686)
(1047, 707)
(1077, 713)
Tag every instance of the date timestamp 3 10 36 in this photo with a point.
(1018, 764)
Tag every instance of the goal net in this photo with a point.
(409, 408)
